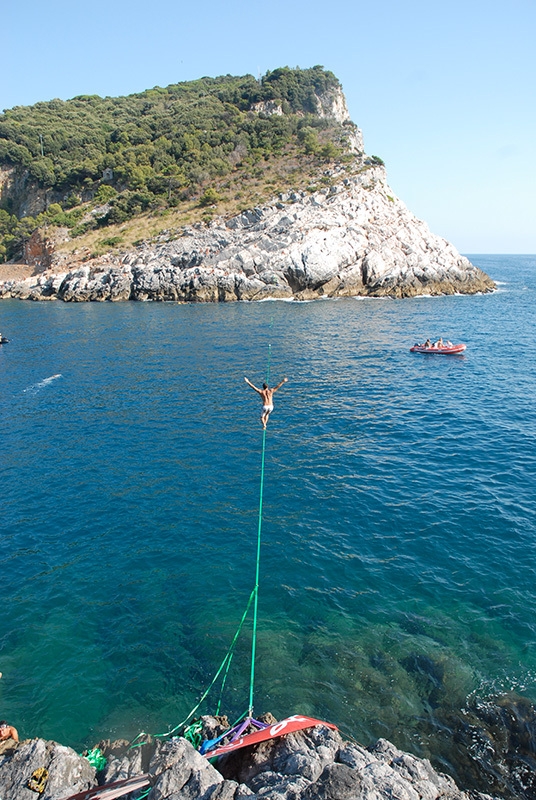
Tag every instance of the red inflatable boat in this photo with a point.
(444, 350)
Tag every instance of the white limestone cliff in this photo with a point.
(352, 238)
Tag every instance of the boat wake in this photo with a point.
(36, 387)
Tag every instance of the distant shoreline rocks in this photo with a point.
(354, 238)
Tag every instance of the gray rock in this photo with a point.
(315, 764)
(243, 791)
(402, 775)
(337, 782)
(229, 790)
(356, 238)
(306, 753)
(124, 761)
(273, 784)
(68, 772)
(181, 773)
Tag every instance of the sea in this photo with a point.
(397, 572)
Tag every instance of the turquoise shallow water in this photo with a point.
(399, 542)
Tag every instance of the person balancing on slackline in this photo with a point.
(267, 395)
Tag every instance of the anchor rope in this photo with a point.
(258, 559)
(226, 662)
(254, 597)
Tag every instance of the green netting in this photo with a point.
(95, 758)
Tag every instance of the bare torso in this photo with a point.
(8, 732)
(267, 396)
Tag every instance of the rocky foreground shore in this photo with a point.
(352, 238)
(315, 764)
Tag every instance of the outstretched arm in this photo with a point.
(279, 385)
(252, 386)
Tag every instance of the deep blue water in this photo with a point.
(399, 521)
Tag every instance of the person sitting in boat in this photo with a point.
(448, 343)
(427, 343)
(439, 342)
(267, 395)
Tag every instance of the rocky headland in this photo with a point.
(315, 764)
(332, 228)
(353, 238)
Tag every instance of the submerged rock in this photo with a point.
(495, 742)
(353, 238)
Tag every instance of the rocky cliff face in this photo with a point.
(353, 238)
(22, 193)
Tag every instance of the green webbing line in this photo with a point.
(225, 661)
(268, 365)
(256, 589)
(257, 568)
(224, 681)
(138, 737)
(240, 718)
(194, 733)
(95, 758)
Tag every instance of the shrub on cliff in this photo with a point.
(140, 136)
(15, 232)
(209, 197)
(162, 146)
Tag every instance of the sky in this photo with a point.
(443, 92)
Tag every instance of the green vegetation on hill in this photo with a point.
(159, 149)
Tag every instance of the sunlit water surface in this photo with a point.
(398, 562)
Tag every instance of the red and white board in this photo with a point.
(289, 725)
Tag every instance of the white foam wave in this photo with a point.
(282, 300)
(36, 387)
(371, 297)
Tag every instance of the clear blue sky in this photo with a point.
(443, 91)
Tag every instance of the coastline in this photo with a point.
(353, 239)
(316, 763)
